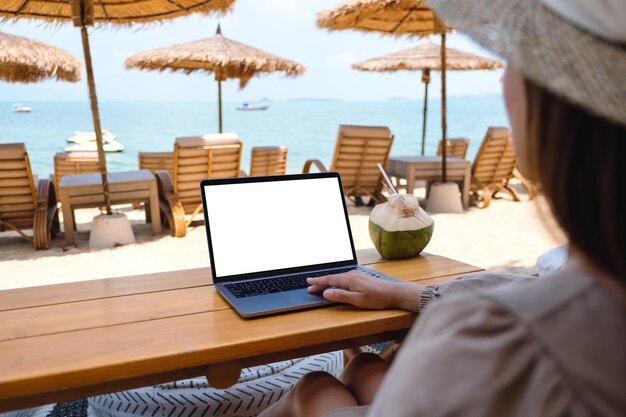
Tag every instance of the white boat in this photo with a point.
(18, 108)
(82, 137)
(86, 142)
(109, 146)
(250, 106)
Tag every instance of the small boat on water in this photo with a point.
(18, 108)
(86, 142)
(81, 137)
(250, 106)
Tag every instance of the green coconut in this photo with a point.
(400, 228)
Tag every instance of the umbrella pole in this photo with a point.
(95, 113)
(426, 81)
(444, 143)
(219, 102)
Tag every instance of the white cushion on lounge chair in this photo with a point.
(364, 131)
(208, 140)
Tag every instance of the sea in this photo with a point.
(308, 127)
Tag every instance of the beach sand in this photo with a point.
(506, 236)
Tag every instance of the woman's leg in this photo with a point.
(316, 394)
(363, 376)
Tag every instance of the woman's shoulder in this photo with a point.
(540, 299)
(568, 299)
(533, 341)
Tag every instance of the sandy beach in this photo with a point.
(506, 236)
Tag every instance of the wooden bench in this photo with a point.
(85, 190)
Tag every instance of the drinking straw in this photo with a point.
(391, 187)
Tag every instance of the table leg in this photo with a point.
(68, 217)
(466, 186)
(155, 213)
(410, 179)
(224, 374)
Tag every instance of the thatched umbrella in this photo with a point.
(397, 18)
(389, 17)
(225, 58)
(426, 57)
(83, 13)
(24, 60)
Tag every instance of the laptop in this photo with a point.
(266, 235)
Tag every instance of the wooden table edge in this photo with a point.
(142, 377)
(69, 288)
(53, 396)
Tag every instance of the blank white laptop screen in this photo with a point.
(264, 226)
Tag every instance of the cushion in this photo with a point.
(208, 140)
(72, 156)
(362, 132)
(258, 388)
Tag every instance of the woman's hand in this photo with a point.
(364, 291)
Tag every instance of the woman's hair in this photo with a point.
(580, 161)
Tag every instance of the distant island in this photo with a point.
(314, 99)
(400, 98)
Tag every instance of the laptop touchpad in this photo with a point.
(304, 297)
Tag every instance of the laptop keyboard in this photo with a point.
(274, 285)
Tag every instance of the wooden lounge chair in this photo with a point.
(493, 167)
(72, 163)
(195, 159)
(530, 187)
(268, 160)
(358, 151)
(157, 161)
(23, 205)
(153, 162)
(456, 147)
(66, 163)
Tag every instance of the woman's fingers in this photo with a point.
(362, 290)
(342, 296)
(316, 288)
(354, 287)
(346, 280)
(320, 283)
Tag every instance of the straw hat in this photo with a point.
(574, 48)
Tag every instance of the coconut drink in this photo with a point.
(400, 228)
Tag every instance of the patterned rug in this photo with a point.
(80, 408)
(70, 409)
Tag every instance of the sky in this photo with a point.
(282, 27)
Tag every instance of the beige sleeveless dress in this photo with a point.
(539, 347)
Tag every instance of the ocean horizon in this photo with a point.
(307, 126)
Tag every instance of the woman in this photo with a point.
(537, 347)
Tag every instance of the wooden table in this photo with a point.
(428, 168)
(85, 190)
(68, 341)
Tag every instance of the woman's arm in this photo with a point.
(364, 291)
